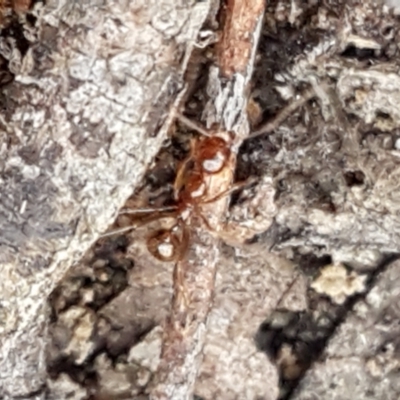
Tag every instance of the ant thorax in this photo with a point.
(212, 168)
(201, 189)
(208, 156)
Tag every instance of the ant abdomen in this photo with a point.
(169, 244)
(164, 244)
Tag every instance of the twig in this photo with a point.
(193, 284)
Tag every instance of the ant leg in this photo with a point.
(147, 210)
(233, 188)
(179, 280)
(180, 175)
(185, 242)
(142, 221)
(253, 216)
(283, 114)
(118, 231)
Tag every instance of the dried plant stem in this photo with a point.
(185, 329)
(193, 284)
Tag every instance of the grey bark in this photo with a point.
(80, 124)
(334, 163)
(362, 359)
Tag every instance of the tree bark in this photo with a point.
(88, 109)
(83, 118)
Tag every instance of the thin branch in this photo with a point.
(194, 276)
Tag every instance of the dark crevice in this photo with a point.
(306, 334)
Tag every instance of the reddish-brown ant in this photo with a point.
(208, 156)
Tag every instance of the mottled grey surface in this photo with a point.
(362, 360)
(80, 124)
(332, 164)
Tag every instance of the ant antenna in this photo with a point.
(147, 210)
(192, 125)
(235, 186)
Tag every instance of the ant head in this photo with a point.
(213, 154)
(164, 245)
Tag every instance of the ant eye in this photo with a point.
(163, 245)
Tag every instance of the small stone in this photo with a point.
(337, 283)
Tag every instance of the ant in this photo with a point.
(210, 155)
